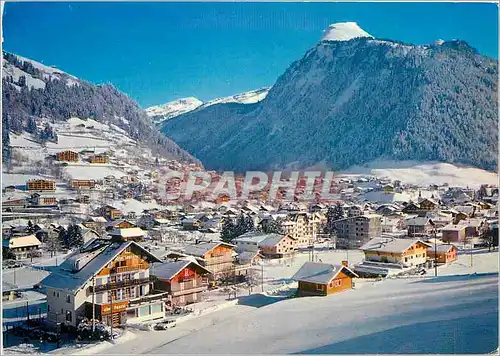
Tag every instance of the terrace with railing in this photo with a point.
(120, 284)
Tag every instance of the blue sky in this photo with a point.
(157, 52)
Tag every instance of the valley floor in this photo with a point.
(456, 312)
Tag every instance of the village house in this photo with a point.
(110, 212)
(420, 227)
(474, 227)
(269, 245)
(183, 280)
(118, 224)
(250, 258)
(95, 222)
(296, 226)
(41, 185)
(353, 232)
(190, 224)
(405, 252)
(217, 257)
(20, 247)
(421, 208)
(453, 233)
(392, 223)
(39, 200)
(214, 224)
(82, 183)
(445, 253)
(108, 280)
(102, 159)
(67, 156)
(321, 279)
(387, 210)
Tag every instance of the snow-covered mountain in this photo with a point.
(352, 99)
(161, 113)
(33, 92)
(344, 31)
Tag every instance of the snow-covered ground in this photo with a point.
(91, 171)
(457, 312)
(424, 173)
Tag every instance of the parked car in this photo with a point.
(165, 325)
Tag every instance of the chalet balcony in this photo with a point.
(179, 292)
(139, 267)
(148, 298)
(120, 284)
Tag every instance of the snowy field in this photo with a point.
(415, 172)
(91, 171)
(456, 312)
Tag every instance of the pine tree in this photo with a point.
(64, 237)
(77, 238)
(227, 232)
(333, 214)
(273, 227)
(30, 228)
(31, 126)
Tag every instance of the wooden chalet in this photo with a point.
(183, 280)
(321, 279)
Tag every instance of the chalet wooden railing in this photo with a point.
(138, 267)
(120, 284)
(148, 298)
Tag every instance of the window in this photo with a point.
(319, 287)
(68, 316)
(57, 294)
(68, 299)
(54, 293)
(48, 308)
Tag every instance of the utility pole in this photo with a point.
(435, 255)
(112, 321)
(262, 275)
(93, 305)
(471, 264)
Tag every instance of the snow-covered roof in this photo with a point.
(199, 250)
(381, 244)
(247, 256)
(322, 273)
(65, 277)
(442, 248)
(168, 270)
(271, 240)
(128, 232)
(100, 219)
(418, 221)
(22, 241)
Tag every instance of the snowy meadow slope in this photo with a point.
(456, 312)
